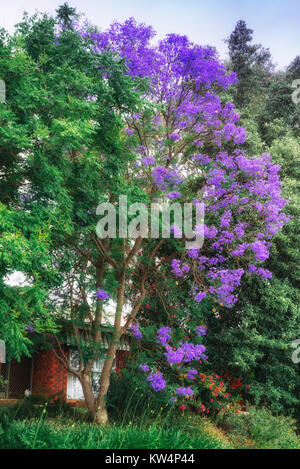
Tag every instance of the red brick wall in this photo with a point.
(49, 376)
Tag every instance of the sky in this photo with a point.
(275, 22)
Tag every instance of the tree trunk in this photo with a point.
(101, 410)
(88, 394)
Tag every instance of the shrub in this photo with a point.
(32, 406)
(130, 397)
(266, 431)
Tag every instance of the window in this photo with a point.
(74, 388)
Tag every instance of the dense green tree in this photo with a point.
(66, 15)
(24, 235)
(251, 62)
(294, 68)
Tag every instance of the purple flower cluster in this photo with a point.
(173, 195)
(148, 160)
(157, 381)
(200, 296)
(175, 137)
(164, 178)
(261, 250)
(234, 188)
(102, 295)
(178, 269)
(136, 331)
(201, 330)
(186, 392)
(145, 368)
(164, 335)
(185, 353)
(191, 374)
(265, 273)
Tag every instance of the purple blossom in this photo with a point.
(136, 331)
(231, 183)
(175, 137)
(193, 253)
(144, 368)
(185, 353)
(163, 335)
(164, 178)
(260, 249)
(201, 330)
(200, 296)
(178, 269)
(265, 273)
(157, 381)
(185, 391)
(102, 295)
(148, 160)
(191, 374)
(173, 195)
(226, 218)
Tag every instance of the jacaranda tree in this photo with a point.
(131, 118)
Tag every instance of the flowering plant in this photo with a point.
(178, 372)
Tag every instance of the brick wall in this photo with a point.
(49, 377)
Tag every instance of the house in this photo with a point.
(43, 373)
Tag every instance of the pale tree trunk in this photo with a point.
(88, 393)
(101, 416)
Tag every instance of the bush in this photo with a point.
(130, 397)
(266, 431)
(32, 406)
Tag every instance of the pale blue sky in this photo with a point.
(275, 22)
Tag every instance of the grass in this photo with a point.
(57, 433)
(56, 426)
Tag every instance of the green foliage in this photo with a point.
(56, 435)
(3, 387)
(33, 405)
(56, 145)
(251, 63)
(130, 399)
(261, 429)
